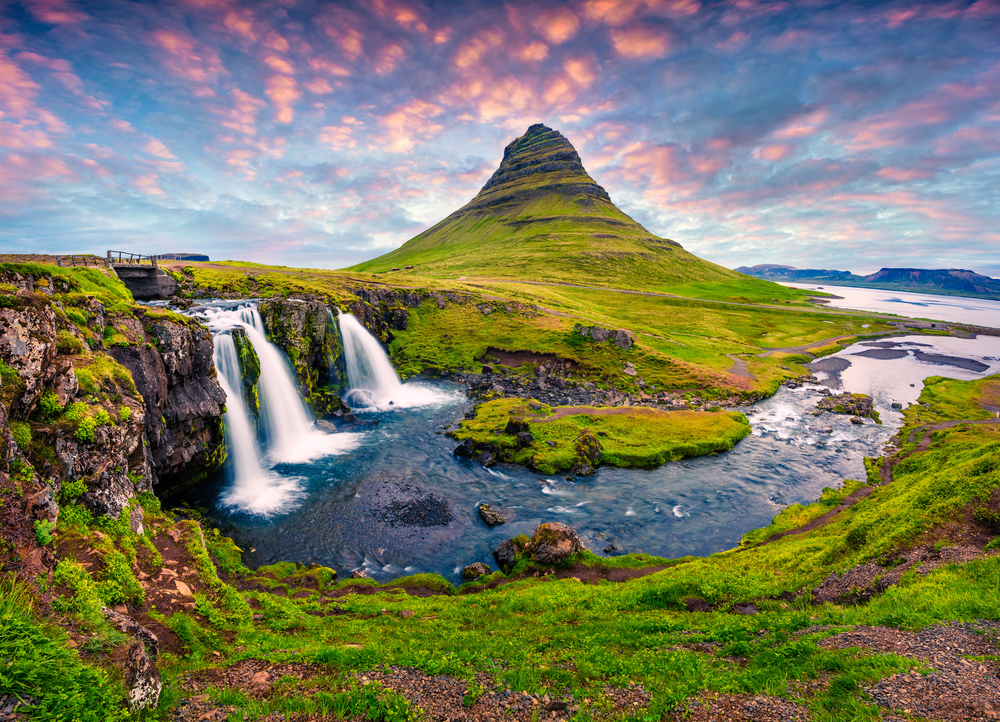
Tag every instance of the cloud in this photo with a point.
(640, 42)
(155, 147)
(557, 25)
(283, 92)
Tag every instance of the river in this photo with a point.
(391, 498)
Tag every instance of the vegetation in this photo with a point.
(639, 437)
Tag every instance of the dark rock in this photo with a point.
(896, 405)
(492, 515)
(475, 570)
(552, 444)
(486, 459)
(553, 543)
(610, 548)
(487, 369)
(466, 449)
(746, 609)
(524, 439)
(349, 418)
(697, 604)
(852, 404)
(506, 553)
(129, 626)
(515, 426)
(359, 574)
(555, 705)
(857, 420)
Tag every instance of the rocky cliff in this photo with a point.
(103, 399)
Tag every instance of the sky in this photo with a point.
(851, 135)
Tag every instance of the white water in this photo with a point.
(288, 430)
(373, 381)
(253, 488)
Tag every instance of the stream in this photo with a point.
(391, 498)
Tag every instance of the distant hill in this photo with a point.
(542, 217)
(948, 282)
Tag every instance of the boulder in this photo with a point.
(505, 555)
(515, 426)
(466, 449)
(486, 459)
(474, 571)
(524, 439)
(587, 452)
(553, 543)
(492, 515)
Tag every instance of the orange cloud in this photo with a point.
(276, 42)
(533, 52)
(619, 12)
(774, 152)
(472, 51)
(581, 71)
(557, 26)
(338, 137)
(241, 23)
(318, 86)
(242, 117)
(388, 58)
(283, 92)
(279, 65)
(326, 66)
(409, 122)
(640, 42)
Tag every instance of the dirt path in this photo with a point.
(885, 474)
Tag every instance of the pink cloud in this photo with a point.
(557, 26)
(581, 71)
(775, 152)
(56, 12)
(388, 58)
(279, 65)
(408, 123)
(328, 66)
(640, 42)
(339, 137)
(201, 67)
(17, 90)
(318, 86)
(242, 116)
(619, 12)
(155, 147)
(533, 52)
(241, 23)
(276, 42)
(472, 51)
(148, 184)
(904, 175)
(283, 92)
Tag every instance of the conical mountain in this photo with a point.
(541, 217)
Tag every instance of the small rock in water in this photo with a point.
(896, 405)
(491, 515)
(359, 574)
(475, 570)
(486, 460)
(857, 420)
(350, 418)
(610, 548)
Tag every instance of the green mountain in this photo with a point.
(542, 217)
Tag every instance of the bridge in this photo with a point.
(142, 275)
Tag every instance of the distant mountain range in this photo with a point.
(944, 281)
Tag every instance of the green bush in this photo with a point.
(85, 431)
(43, 531)
(67, 343)
(72, 490)
(22, 435)
(124, 413)
(49, 406)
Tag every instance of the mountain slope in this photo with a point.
(542, 217)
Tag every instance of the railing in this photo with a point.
(96, 261)
(121, 258)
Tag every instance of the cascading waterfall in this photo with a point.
(253, 488)
(288, 431)
(372, 379)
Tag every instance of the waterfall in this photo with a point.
(253, 488)
(289, 434)
(372, 379)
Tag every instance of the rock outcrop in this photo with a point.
(553, 543)
(171, 363)
(310, 338)
(620, 338)
(856, 405)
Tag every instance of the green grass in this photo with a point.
(642, 437)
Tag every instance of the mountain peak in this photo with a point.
(540, 160)
(541, 216)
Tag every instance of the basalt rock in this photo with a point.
(304, 330)
(620, 338)
(175, 373)
(506, 553)
(249, 369)
(142, 678)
